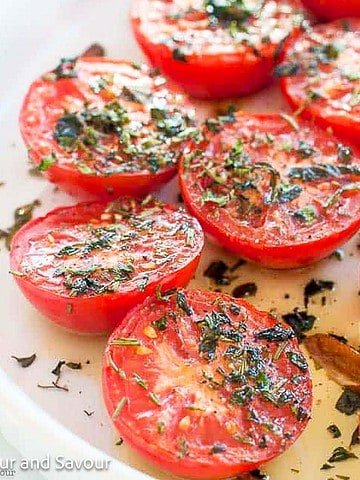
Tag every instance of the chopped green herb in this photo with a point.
(125, 342)
(119, 407)
(160, 324)
(305, 150)
(182, 303)
(242, 396)
(209, 196)
(344, 153)
(307, 214)
(140, 381)
(155, 399)
(297, 359)
(287, 69)
(286, 193)
(66, 68)
(160, 427)
(321, 171)
(46, 162)
(183, 448)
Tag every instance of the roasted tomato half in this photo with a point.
(274, 190)
(100, 127)
(204, 385)
(334, 9)
(215, 49)
(321, 76)
(85, 266)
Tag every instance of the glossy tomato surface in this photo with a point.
(321, 78)
(204, 385)
(215, 49)
(273, 190)
(334, 9)
(85, 266)
(100, 127)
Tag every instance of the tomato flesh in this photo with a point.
(105, 128)
(277, 193)
(324, 84)
(201, 384)
(215, 52)
(334, 9)
(85, 266)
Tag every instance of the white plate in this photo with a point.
(39, 422)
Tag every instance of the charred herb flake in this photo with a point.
(340, 454)
(300, 321)
(316, 286)
(245, 290)
(348, 402)
(25, 362)
(275, 334)
(22, 215)
(334, 431)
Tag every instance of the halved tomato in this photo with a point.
(321, 76)
(334, 9)
(273, 190)
(85, 266)
(204, 385)
(100, 127)
(215, 49)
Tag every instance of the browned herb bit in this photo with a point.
(245, 290)
(355, 437)
(340, 454)
(21, 216)
(119, 442)
(326, 466)
(89, 414)
(25, 362)
(94, 50)
(74, 365)
(54, 385)
(216, 271)
(348, 402)
(259, 475)
(57, 370)
(316, 286)
(300, 321)
(334, 431)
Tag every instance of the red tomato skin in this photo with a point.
(191, 468)
(91, 315)
(273, 257)
(91, 187)
(342, 126)
(279, 258)
(210, 77)
(333, 9)
(204, 77)
(96, 315)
